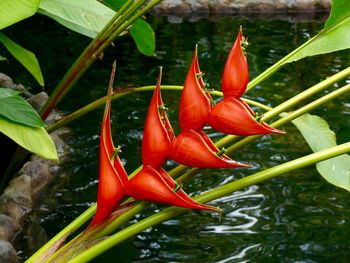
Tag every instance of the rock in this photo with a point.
(16, 200)
(7, 252)
(38, 100)
(35, 235)
(239, 6)
(6, 82)
(7, 227)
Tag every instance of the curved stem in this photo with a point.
(219, 192)
(181, 168)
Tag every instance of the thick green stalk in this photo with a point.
(293, 115)
(307, 94)
(123, 18)
(246, 140)
(219, 192)
(283, 120)
(294, 101)
(45, 251)
(268, 72)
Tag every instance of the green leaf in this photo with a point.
(25, 57)
(12, 11)
(2, 58)
(144, 38)
(141, 31)
(5, 93)
(35, 140)
(85, 17)
(317, 134)
(89, 19)
(17, 109)
(335, 35)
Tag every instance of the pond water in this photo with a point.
(297, 217)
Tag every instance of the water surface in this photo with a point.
(297, 217)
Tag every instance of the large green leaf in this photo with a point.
(35, 140)
(86, 17)
(25, 57)
(90, 17)
(12, 11)
(319, 137)
(335, 35)
(17, 109)
(5, 93)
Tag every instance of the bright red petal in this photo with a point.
(233, 116)
(157, 133)
(194, 103)
(157, 186)
(112, 175)
(191, 149)
(235, 75)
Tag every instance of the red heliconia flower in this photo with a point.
(232, 115)
(195, 149)
(190, 147)
(158, 133)
(112, 176)
(156, 185)
(235, 75)
(195, 102)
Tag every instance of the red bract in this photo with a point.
(112, 176)
(235, 75)
(232, 115)
(156, 185)
(157, 133)
(195, 102)
(190, 147)
(195, 149)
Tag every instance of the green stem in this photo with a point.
(219, 192)
(293, 115)
(283, 120)
(44, 252)
(112, 30)
(181, 168)
(268, 72)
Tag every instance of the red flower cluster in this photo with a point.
(152, 182)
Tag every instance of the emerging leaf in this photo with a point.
(25, 57)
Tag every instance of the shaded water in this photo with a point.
(293, 218)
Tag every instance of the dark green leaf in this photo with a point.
(85, 17)
(143, 36)
(141, 31)
(35, 140)
(24, 56)
(340, 12)
(335, 36)
(316, 132)
(90, 19)
(15, 108)
(12, 11)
